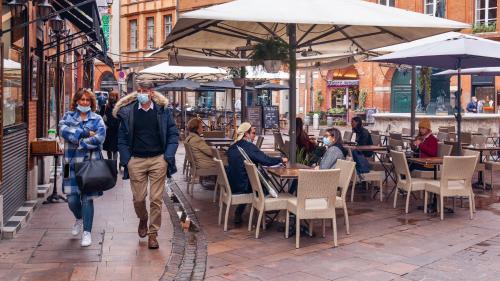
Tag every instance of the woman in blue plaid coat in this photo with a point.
(83, 132)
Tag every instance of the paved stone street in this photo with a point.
(46, 250)
(384, 244)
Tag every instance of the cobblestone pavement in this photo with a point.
(46, 250)
(384, 244)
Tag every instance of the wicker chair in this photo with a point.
(226, 196)
(347, 136)
(260, 202)
(278, 140)
(443, 136)
(376, 139)
(316, 199)
(185, 166)
(370, 177)
(347, 169)
(260, 140)
(404, 180)
(456, 180)
(484, 131)
(396, 136)
(194, 172)
(214, 134)
(480, 167)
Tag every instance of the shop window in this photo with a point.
(434, 8)
(12, 71)
(390, 3)
(167, 25)
(486, 12)
(133, 35)
(150, 36)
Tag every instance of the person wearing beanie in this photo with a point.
(425, 144)
(236, 172)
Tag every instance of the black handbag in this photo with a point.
(95, 175)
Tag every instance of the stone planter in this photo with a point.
(239, 82)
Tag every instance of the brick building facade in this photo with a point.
(379, 81)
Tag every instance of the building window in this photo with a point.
(150, 27)
(486, 12)
(434, 8)
(133, 35)
(12, 72)
(390, 3)
(167, 25)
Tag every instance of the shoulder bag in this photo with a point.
(95, 175)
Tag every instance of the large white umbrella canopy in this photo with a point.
(223, 27)
(326, 26)
(165, 71)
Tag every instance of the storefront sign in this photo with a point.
(342, 83)
(105, 28)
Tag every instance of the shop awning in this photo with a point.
(86, 18)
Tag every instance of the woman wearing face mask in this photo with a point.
(83, 132)
(335, 150)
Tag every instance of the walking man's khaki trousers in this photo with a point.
(141, 170)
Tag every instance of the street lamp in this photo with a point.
(56, 24)
(17, 7)
(44, 8)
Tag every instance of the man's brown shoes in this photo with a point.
(152, 242)
(143, 228)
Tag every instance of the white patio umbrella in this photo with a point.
(455, 53)
(480, 71)
(166, 72)
(327, 26)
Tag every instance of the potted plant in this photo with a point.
(236, 73)
(271, 53)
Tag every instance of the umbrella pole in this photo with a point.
(292, 37)
(459, 109)
(413, 98)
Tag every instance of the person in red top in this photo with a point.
(425, 144)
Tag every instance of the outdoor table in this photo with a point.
(377, 151)
(428, 161)
(481, 149)
(218, 139)
(282, 176)
(220, 144)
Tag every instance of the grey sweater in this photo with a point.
(330, 158)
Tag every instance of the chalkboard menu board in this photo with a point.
(271, 117)
(254, 116)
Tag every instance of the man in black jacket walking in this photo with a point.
(147, 141)
(237, 175)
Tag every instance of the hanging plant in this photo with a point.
(271, 54)
(362, 99)
(236, 73)
(425, 84)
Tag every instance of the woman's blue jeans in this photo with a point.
(83, 208)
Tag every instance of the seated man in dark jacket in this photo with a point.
(237, 175)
